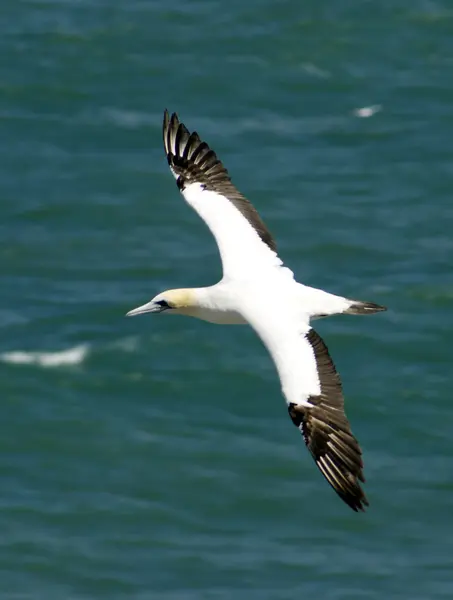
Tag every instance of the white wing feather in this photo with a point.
(282, 328)
(242, 252)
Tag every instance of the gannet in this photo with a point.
(257, 289)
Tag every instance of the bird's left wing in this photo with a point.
(312, 388)
(246, 247)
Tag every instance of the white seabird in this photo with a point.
(258, 289)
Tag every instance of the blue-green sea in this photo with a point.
(153, 458)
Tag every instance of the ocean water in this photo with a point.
(153, 458)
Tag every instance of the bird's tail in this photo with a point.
(363, 308)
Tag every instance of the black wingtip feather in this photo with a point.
(364, 308)
(192, 160)
(327, 433)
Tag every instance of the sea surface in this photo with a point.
(153, 458)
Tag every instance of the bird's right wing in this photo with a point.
(312, 388)
(246, 247)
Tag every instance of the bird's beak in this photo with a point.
(149, 307)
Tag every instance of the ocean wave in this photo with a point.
(71, 356)
(367, 111)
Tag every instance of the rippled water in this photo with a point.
(154, 457)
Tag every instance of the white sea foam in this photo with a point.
(367, 111)
(312, 69)
(71, 356)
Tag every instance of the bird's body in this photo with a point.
(257, 289)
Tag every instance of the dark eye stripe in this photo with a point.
(163, 303)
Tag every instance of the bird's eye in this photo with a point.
(163, 304)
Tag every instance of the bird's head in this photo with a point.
(175, 301)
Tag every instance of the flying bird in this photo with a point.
(257, 289)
